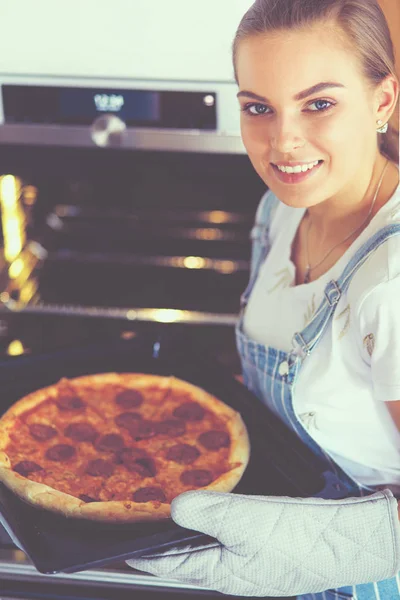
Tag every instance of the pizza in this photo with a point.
(118, 447)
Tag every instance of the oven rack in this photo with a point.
(157, 315)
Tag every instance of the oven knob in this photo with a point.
(108, 130)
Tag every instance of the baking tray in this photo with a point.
(59, 544)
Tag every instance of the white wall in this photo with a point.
(152, 39)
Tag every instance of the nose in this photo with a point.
(285, 136)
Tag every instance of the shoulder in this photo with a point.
(265, 211)
(378, 278)
(270, 210)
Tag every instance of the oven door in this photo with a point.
(20, 579)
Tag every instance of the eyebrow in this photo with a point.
(300, 96)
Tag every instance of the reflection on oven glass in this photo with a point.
(16, 347)
(12, 216)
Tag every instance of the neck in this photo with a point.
(346, 210)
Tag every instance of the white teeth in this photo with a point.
(299, 168)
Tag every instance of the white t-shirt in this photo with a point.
(343, 384)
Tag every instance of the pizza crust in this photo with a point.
(46, 497)
(43, 496)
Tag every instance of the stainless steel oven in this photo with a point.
(124, 200)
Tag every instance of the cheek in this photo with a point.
(333, 132)
(340, 132)
(255, 137)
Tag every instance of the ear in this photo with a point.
(386, 98)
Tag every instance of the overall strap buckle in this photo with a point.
(332, 293)
(299, 342)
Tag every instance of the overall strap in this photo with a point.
(259, 236)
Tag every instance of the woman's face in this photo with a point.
(336, 125)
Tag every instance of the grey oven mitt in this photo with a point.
(280, 546)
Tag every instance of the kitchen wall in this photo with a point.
(173, 39)
(151, 39)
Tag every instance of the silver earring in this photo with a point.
(384, 128)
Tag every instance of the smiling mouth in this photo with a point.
(296, 177)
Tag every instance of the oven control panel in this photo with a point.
(148, 115)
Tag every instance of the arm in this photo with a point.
(281, 546)
(394, 409)
(377, 315)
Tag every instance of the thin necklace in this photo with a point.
(309, 268)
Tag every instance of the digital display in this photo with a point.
(81, 106)
(109, 102)
(131, 106)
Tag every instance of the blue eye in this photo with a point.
(260, 109)
(323, 101)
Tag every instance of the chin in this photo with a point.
(292, 201)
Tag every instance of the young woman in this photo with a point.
(319, 331)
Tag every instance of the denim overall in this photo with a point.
(271, 375)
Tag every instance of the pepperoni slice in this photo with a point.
(98, 467)
(69, 402)
(189, 411)
(60, 452)
(145, 467)
(214, 439)
(184, 454)
(148, 494)
(143, 430)
(129, 399)
(42, 432)
(127, 419)
(126, 456)
(25, 467)
(81, 432)
(87, 498)
(171, 427)
(197, 477)
(110, 442)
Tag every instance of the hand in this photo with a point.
(269, 546)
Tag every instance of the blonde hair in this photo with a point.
(362, 21)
